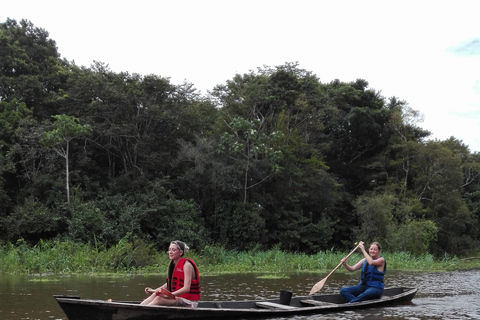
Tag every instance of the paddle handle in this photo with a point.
(355, 249)
(348, 256)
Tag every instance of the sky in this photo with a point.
(426, 53)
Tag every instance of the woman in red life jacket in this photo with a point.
(371, 281)
(183, 281)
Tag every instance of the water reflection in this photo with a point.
(452, 295)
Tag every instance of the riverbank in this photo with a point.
(131, 258)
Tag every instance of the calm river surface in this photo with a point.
(446, 295)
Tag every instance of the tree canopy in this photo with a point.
(271, 158)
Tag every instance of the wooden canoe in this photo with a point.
(76, 308)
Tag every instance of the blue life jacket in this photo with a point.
(371, 276)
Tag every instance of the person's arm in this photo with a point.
(149, 290)
(377, 263)
(357, 266)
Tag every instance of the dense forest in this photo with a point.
(271, 158)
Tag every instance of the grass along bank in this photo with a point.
(137, 257)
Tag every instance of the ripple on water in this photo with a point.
(441, 295)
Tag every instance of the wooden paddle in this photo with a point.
(319, 285)
(163, 292)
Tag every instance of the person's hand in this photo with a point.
(344, 261)
(148, 290)
(164, 293)
(361, 246)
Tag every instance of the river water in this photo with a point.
(441, 295)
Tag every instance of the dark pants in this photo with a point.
(360, 293)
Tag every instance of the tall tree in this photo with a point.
(66, 129)
(406, 138)
(252, 151)
(11, 113)
(30, 68)
(137, 120)
(437, 184)
(286, 99)
(357, 132)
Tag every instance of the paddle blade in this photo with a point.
(318, 286)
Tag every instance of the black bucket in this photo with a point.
(285, 297)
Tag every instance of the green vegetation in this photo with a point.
(127, 258)
(270, 166)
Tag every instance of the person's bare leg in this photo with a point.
(159, 300)
(149, 299)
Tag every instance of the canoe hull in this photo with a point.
(84, 309)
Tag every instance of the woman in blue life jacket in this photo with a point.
(373, 271)
(183, 281)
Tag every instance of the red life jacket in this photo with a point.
(178, 278)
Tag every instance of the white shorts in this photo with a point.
(188, 303)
